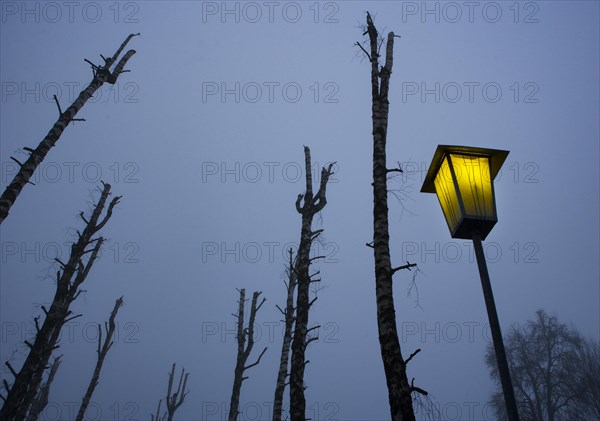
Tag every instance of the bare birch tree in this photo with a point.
(312, 205)
(399, 389)
(288, 319)
(68, 280)
(103, 348)
(244, 349)
(101, 74)
(41, 398)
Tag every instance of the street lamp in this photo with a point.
(463, 179)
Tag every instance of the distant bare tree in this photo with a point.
(555, 373)
(175, 400)
(588, 378)
(103, 348)
(244, 349)
(41, 398)
(288, 319)
(399, 389)
(312, 205)
(23, 390)
(101, 74)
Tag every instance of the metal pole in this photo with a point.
(507, 388)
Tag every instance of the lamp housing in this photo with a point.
(463, 179)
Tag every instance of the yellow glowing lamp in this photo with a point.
(462, 177)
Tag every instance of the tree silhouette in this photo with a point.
(173, 400)
(312, 205)
(101, 74)
(244, 349)
(102, 351)
(399, 389)
(554, 371)
(68, 280)
(288, 319)
(41, 398)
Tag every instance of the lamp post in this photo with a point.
(462, 177)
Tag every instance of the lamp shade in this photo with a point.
(462, 177)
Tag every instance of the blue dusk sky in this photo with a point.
(204, 140)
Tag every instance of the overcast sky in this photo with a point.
(203, 138)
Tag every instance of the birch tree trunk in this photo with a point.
(312, 205)
(244, 350)
(74, 272)
(103, 348)
(288, 315)
(399, 389)
(102, 74)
